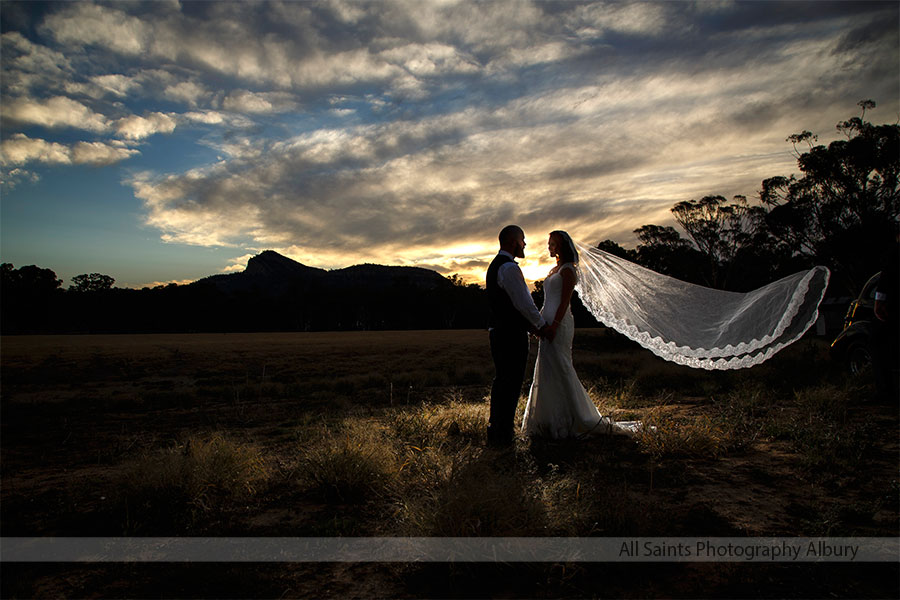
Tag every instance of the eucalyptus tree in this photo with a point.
(94, 282)
(843, 209)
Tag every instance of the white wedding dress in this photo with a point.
(558, 405)
(681, 322)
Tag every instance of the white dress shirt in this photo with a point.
(511, 281)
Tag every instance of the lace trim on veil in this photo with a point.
(604, 289)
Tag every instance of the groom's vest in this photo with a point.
(504, 314)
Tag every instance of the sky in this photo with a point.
(165, 141)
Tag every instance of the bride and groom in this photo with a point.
(558, 405)
(678, 321)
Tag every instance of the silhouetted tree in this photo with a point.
(843, 210)
(30, 279)
(615, 249)
(719, 231)
(663, 250)
(538, 294)
(95, 282)
(29, 299)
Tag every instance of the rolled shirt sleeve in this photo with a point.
(511, 280)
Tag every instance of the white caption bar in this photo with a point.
(423, 549)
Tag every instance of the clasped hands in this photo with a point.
(547, 332)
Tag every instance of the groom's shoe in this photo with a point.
(491, 436)
(499, 439)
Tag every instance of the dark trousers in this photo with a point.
(509, 349)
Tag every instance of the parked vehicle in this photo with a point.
(852, 345)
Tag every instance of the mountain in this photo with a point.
(273, 293)
(269, 273)
(277, 293)
(274, 274)
(270, 263)
(381, 277)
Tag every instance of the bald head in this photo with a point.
(509, 233)
(512, 240)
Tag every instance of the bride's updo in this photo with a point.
(565, 247)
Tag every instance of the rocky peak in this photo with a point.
(270, 263)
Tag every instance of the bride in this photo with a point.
(678, 321)
(558, 405)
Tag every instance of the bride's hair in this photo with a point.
(565, 247)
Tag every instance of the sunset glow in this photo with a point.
(167, 141)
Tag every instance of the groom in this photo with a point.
(512, 315)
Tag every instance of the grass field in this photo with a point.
(381, 433)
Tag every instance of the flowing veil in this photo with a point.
(694, 325)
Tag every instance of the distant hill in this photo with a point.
(270, 262)
(273, 293)
(273, 274)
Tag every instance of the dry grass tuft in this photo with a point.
(353, 463)
(428, 424)
(831, 444)
(469, 493)
(572, 505)
(449, 484)
(200, 476)
(742, 415)
(668, 436)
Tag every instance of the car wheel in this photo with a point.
(859, 359)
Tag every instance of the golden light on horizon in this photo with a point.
(401, 142)
(534, 268)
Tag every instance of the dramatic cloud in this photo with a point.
(189, 92)
(83, 24)
(20, 149)
(137, 128)
(243, 101)
(58, 111)
(410, 132)
(27, 65)
(100, 154)
(238, 264)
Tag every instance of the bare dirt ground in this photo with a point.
(77, 409)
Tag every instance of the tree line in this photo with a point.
(841, 211)
(33, 301)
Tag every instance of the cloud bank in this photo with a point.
(411, 132)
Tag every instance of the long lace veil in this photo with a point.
(694, 325)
